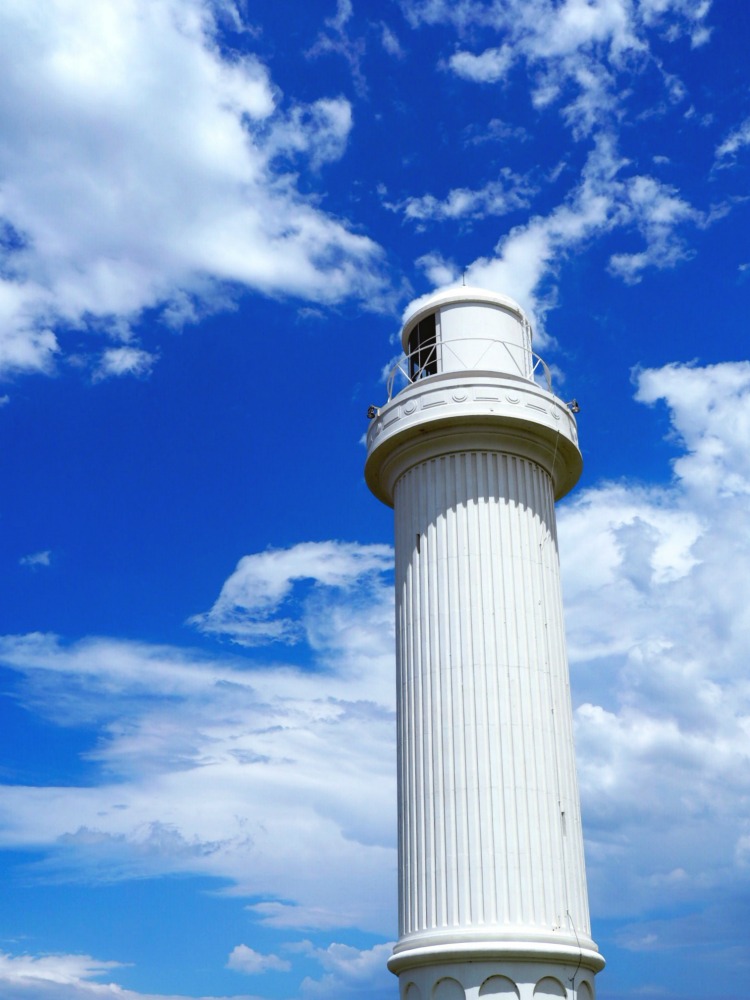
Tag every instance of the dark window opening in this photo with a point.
(423, 349)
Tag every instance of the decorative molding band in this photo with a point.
(436, 415)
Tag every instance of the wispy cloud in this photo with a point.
(317, 132)
(581, 59)
(116, 361)
(36, 559)
(61, 969)
(334, 39)
(69, 977)
(579, 45)
(656, 211)
(247, 608)
(498, 197)
(177, 727)
(601, 202)
(390, 42)
(737, 139)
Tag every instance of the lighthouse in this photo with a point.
(471, 450)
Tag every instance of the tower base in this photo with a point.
(501, 970)
(498, 980)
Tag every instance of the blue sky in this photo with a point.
(213, 216)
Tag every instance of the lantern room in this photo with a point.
(467, 329)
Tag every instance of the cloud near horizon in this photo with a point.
(70, 977)
(175, 727)
(359, 972)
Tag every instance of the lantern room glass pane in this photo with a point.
(423, 349)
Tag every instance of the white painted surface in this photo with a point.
(518, 980)
(461, 294)
(492, 891)
(476, 330)
(483, 338)
(434, 416)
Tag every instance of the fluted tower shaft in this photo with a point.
(484, 704)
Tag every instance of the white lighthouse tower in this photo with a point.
(472, 454)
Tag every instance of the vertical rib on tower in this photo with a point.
(472, 454)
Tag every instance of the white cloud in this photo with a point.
(390, 42)
(68, 977)
(655, 593)
(141, 169)
(591, 45)
(43, 558)
(693, 13)
(737, 139)
(578, 24)
(656, 210)
(527, 259)
(63, 969)
(488, 67)
(334, 40)
(439, 271)
(252, 963)
(117, 361)
(246, 609)
(495, 130)
(320, 131)
(349, 971)
(294, 767)
(711, 415)
(531, 251)
(580, 55)
(499, 197)
(277, 755)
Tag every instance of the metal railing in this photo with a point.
(438, 356)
